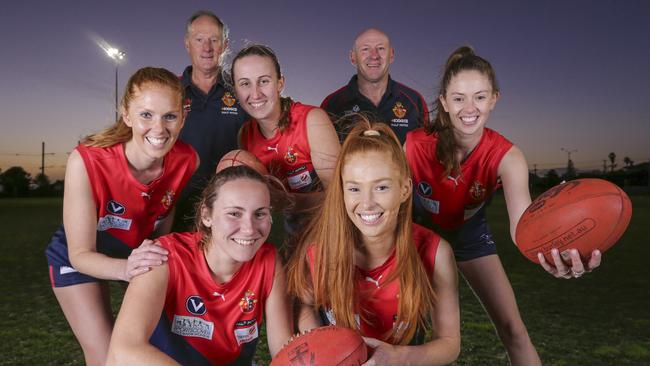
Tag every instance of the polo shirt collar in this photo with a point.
(353, 86)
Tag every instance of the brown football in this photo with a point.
(585, 214)
(323, 346)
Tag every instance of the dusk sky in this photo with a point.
(573, 74)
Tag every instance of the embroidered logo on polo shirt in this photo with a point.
(247, 303)
(477, 191)
(228, 102)
(398, 110)
(228, 99)
(291, 156)
(168, 199)
(187, 105)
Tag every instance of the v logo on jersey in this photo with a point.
(425, 189)
(195, 305)
(115, 208)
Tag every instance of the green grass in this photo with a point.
(601, 319)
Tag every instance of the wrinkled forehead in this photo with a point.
(204, 24)
(371, 37)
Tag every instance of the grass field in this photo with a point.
(600, 319)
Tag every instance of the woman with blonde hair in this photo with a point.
(363, 264)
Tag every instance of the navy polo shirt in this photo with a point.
(401, 107)
(211, 126)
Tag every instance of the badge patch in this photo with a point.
(398, 110)
(228, 99)
(247, 303)
(187, 105)
(115, 208)
(168, 199)
(424, 189)
(291, 156)
(477, 191)
(298, 181)
(113, 222)
(194, 304)
(189, 326)
(356, 108)
(246, 334)
(430, 205)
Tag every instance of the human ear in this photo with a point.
(206, 218)
(443, 101)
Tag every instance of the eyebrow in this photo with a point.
(374, 181)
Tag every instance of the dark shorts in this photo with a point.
(62, 273)
(473, 239)
(470, 241)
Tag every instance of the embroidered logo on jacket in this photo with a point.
(187, 105)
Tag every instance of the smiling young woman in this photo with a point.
(296, 142)
(363, 264)
(457, 164)
(120, 186)
(218, 285)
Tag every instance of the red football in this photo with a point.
(324, 346)
(241, 157)
(585, 214)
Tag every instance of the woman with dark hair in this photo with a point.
(296, 142)
(365, 265)
(215, 289)
(457, 164)
(120, 188)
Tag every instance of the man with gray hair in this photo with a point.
(213, 114)
(372, 91)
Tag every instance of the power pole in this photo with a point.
(43, 157)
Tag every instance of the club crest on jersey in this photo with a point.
(291, 157)
(168, 199)
(187, 104)
(228, 99)
(424, 189)
(398, 110)
(195, 305)
(356, 108)
(477, 191)
(115, 208)
(247, 303)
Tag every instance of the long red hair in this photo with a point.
(334, 237)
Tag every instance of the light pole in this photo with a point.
(117, 56)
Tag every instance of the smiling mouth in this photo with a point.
(471, 119)
(370, 218)
(245, 242)
(257, 105)
(156, 141)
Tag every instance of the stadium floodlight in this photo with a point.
(117, 56)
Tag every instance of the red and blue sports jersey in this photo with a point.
(453, 200)
(126, 208)
(286, 155)
(204, 322)
(378, 299)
